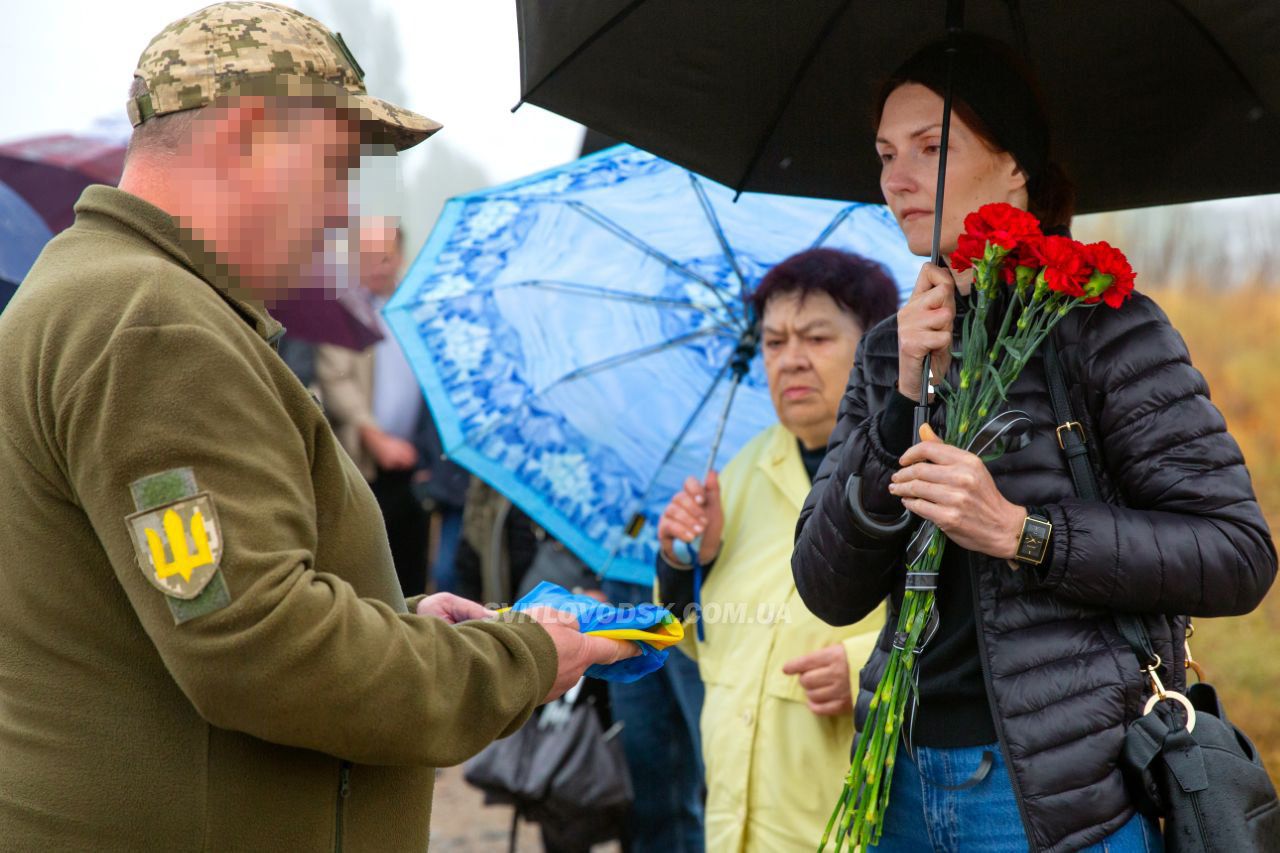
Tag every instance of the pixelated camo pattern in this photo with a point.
(220, 48)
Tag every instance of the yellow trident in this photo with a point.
(184, 560)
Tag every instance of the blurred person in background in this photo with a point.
(777, 720)
(373, 400)
(441, 486)
(660, 714)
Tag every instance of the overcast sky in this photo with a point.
(70, 62)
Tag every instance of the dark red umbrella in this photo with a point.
(50, 172)
(319, 317)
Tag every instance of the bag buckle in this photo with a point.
(1067, 427)
(1160, 694)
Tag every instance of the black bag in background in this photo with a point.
(1184, 763)
(555, 563)
(561, 770)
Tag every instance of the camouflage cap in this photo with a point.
(260, 48)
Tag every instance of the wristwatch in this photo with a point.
(1033, 544)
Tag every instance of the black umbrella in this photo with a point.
(1152, 101)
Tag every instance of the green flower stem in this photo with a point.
(858, 817)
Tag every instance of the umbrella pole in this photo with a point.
(869, 525)
(688, 552)
(955, 25)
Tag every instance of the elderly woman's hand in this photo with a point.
(953, 489)
(694, 512)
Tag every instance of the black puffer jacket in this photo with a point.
(1182, 535)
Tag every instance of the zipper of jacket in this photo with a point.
(344, 791)
(995, 715)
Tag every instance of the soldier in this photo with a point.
(203, 645)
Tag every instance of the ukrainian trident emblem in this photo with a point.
(179, 545)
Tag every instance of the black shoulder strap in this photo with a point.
(1071, 439)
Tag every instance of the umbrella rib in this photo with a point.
(618, 18)
(475, 439)
(671, 452)
(714, 221)
(585, 289)
(801, 71)
(623, 358)
(834, 224)
(620, 232)
(1222, 52)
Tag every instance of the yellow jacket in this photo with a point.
(773, 767)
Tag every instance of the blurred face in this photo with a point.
(908, 143)
(266, 181)
(808, 353)
(380, 258)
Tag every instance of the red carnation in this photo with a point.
(1001, 224)
(1112, 279)
(1066, 266)
(1026, 255)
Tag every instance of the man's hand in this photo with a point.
(953, 489)
(576, 651)
(824, 675)
(391, 453)
(453, 608)
(695, 511)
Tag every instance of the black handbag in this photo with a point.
(1182, 760)
(561, 770)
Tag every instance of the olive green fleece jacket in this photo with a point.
(307, 713)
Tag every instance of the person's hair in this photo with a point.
(996, 95)
(858, 285)
(159, 134)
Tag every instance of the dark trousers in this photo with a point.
(660, 736)
(407, 528)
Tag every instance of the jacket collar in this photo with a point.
(781, 463)
(115, 210)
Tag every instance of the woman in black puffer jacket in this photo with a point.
(1026, 687)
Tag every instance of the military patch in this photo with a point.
(179, 545)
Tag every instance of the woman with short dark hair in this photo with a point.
(777, 715)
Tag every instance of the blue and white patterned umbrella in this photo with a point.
(575, 333)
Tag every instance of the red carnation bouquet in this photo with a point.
(1043, 278)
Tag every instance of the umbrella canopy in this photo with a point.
(575, 333)
(1151, 102)
(50, 172)
(22, 236)
(345, 320)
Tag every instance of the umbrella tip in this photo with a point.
(518, 105)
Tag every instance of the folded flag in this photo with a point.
(649, 626)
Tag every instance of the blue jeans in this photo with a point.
(446, 576)
(982, 819)
(660, 715)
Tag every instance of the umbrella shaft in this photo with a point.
(955, 22)
(724, 419)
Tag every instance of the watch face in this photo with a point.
(1031, 546)
(1035, 536)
